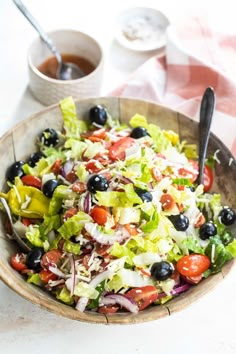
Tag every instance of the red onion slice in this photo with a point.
(177, 290)
(87, 203)
(121, 300)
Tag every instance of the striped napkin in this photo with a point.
(196, 57)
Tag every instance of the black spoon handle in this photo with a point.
(206, 113)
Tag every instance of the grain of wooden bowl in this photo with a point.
(19, 142)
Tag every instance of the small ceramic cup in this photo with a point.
(49, 91)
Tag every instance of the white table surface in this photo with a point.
(208, 326)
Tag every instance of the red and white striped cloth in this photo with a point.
(195, 58)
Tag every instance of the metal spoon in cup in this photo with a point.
(206, 113)
(65, 71)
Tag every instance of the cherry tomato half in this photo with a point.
(100, 215)
(117, 150)
(143, 296)
(56, 166)
(46, 275)
(18, 261)
(32, 181)
(193, 265)
(50, 258)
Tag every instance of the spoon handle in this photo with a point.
(206, 113)
(38, 28)
(17, 238)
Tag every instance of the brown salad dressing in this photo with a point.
(50, 65)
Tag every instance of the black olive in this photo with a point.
(180, 222)
(144, 195)
(34, 158)
(49, 137)
(98, 115)
(34, 257)
(15, 170)
(207, 230)
(161, 270)
(49, 187)
(227, 216)
(97, 183)
(139, 132)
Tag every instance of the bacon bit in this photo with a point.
(69, 213)
(179, 187)
(78, 187)
(200, 220)
(102, 250)
(132, 230)
(85, 260)
(56, 166)
(156, 174)
(71, 177)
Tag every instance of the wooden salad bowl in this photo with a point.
(19, 142)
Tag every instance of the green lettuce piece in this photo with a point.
(138, 121)
(82, 173)
(64, 296)
(231, 248)
(182, 182)
(215, 204)
(49, 223)
(35, 238)
(71, 247)
(119, 199)
(120, 251)
(35, 279)
(152, 224)
(95, 302)
(218, 253)
(76, 148)
(191, 244)
(126, 278)
(160, 141)
(72, 125)
(86, 290)
(74, 225)
(60, 193)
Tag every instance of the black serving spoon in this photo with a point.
(206, 113)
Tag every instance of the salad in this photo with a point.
(113, 214)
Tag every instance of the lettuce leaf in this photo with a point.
(74, 225)
(71, 247)
(64, 296)
(138, 121)
(218, 253)
(119, 199)
(72, 125)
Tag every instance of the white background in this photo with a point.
(208, 326)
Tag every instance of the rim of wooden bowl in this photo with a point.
(19, 143)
